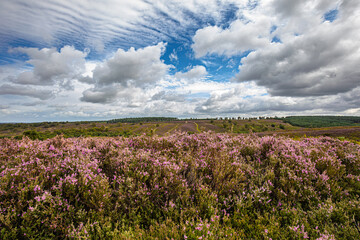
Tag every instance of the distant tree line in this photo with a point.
(322, 121)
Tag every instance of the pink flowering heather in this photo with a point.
(200, 186)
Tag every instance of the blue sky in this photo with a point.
(87, 60)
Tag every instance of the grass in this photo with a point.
(197, 128)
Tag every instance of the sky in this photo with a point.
(65, 60)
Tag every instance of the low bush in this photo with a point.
(198, 186)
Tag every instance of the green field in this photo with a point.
(333, 126)
(322, 121)
(139, 126)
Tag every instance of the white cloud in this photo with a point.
(253, 28)
(173, 56)
(314, 57)
(133, 67)
(238, 101)
(313, 70)
(7, 89)
(97, 23)
(241, 36)
(321, 61)
(126, 70)
(196, 73)
(51, 67)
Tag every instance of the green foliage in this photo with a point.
(74, 132)
(32, 134)
(322, 121)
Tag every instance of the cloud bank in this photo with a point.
(106, 59)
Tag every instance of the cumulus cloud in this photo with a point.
(51, 66)
(195, 73)
(7, 89)
(310, 56)
(299, 8)
(239, 37)
(322, 61)
(126, 70)
(133, 67)
(102, 95)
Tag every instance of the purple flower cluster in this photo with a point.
(208, 185)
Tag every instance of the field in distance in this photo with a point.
(334, 126)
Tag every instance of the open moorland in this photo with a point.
(333, 126)
(180, 186)
(179, 179)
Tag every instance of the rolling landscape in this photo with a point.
(332, 126)
(165, 178)
(180, 119)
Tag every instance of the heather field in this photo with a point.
(180, 186)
